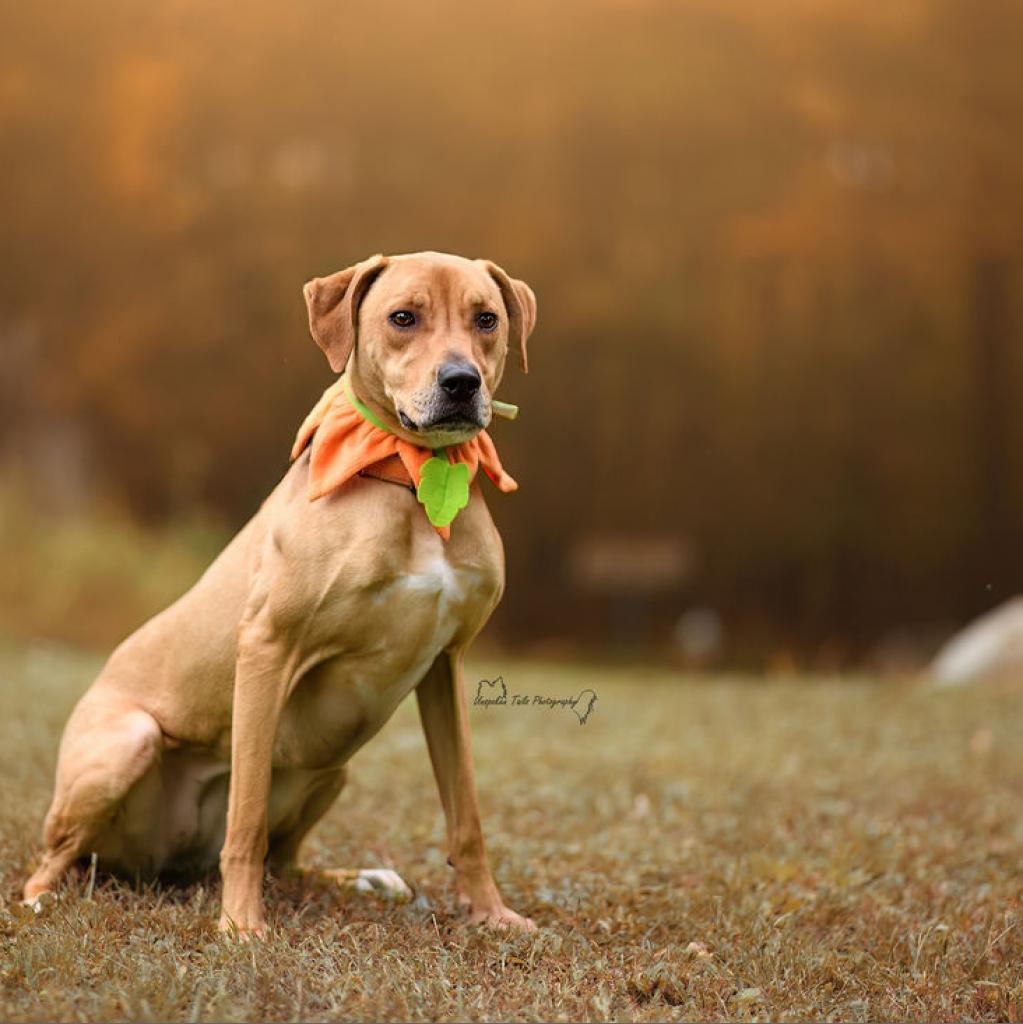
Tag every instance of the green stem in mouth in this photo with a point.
(505, 409)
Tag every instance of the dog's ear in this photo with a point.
(520, 302)
(333, 305)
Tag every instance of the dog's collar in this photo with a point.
(362, 409)
(389, 471)
(443, 488)
(347, 439)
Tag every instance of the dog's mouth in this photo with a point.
(456, 421)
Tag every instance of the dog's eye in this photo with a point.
(402, 318)
(486, 321)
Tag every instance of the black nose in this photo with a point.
(459, 380)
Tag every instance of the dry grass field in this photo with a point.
(700, 849)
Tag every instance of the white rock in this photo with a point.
(990, 646)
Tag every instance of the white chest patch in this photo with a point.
(444, 587)
(438, 580)
(435, 596)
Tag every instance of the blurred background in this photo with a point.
(775, 410)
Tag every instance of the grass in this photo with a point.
(700, 849)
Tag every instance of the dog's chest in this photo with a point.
(438, 590)
(389, 634)
(421, 612)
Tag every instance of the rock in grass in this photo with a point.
(990, 647)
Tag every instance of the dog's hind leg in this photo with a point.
(106, 749)
(284, 847)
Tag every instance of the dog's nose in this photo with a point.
(459, 380)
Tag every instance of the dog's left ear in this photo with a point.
(520, 302)
(333, 305)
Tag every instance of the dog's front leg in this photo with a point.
(260, 688)
(445, 718)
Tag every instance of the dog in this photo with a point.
(219, 732)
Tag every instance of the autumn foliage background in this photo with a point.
(777, 251)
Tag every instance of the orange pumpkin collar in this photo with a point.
(345, 442)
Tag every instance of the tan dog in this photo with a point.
(221, 728)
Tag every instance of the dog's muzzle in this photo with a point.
(456, 403)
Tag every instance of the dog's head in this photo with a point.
(424, 337)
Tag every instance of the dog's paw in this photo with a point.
(502, 919)
(377, 881)
(40, 903)
(251, 931)
(383, 882)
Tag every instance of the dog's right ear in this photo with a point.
(333, 305)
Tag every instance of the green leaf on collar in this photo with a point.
(443, 489)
